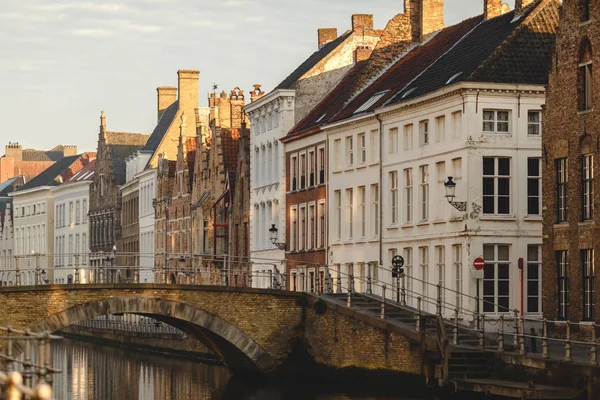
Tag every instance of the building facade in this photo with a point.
(7, 263)
(571, 120)
(28, 163)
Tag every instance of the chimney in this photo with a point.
(521, 4)
(256, 93)
(326, 35)
(102, 132)
(362, 53)
(69, 150)
(188, 90)
(167, 95)
(362, 22)
(426, 16)
(236, 102)
(14, 150)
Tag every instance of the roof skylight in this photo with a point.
(453, 77)
(371, 101)
(408, 92)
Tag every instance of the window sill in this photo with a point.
(407, 225)
(438, 221)
(587, 222)
(561, 225)
(497, 218)
(456, 219)
(392, 226)
(374, 164)
(583, 112)
(361, 166)
(585, 23)
(533, 218)
(507, 134)
(336, 171)
(422, 223)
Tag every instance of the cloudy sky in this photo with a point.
(64, 61)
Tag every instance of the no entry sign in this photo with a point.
(478, 263)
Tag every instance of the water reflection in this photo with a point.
(97, 372)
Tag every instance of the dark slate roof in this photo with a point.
(161, 128)
(504, 49)
(7, 186)
(408, 67)
(312, 61)
(48, 177)
(120, 146)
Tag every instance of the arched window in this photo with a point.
(585, 76)
(584, 10)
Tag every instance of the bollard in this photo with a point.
(482, 333)
(522, 337)
(501, 335)
(418, 327)
(545, 355)
(593, 350)
(568, 344)
(455, 329)
(382, 306)
(349, 299)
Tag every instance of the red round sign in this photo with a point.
(478, 263)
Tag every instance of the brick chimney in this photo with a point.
(326, 35)
(237, 103)
(256, 93)
(14, 150)
(166, 95)
(188, 90)
(69, 150)
(362, 53)
(426, 16)
(362, 21)
(521, 4)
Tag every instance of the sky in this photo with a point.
(65, 61)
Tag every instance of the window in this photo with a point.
(456, 124)
(349, 151)
(394, 197)
(337, 144)
(440, 129)
(496, 185)
(496, 272)
(587, 269)
(534, 123)
(585, 78)
(350, 212)
(302, 231)
(375, 208)
(408, 195)
(101, 185)
(362, 147)
(562, 264)
(534, 279)
(534, 186)
(408, 271)
(321, 222)
(562, 177)
(293, 228)
(584, 10)
(424, 258)
(71, 213)
(457, 261)
(408, 137)
(294, 172)
(70, 249)
(374, 145)
(362, 211)
(77, 212)
(321, 166)
(302, 170)
(310, 236)
(311, 168)
(424, 132)
(587, 186)
(424, 172)
(84, 247)
(440, 253)
(495, 121)
(393, 140)
(337, 203)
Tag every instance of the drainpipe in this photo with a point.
(380, 189)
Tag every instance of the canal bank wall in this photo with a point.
(171, 344)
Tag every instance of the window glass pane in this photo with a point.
(503, 271)
(488, 186)
(503, 186)
(488, 205)
(504, 166)
(503, 205)
(532, 253)
(488, 166)
(502, 115)
(533, 187)
(533, 205)
(488, 253)
(533, 167)
(503, 253)
(488, 272)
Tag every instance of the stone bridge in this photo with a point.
(251, 330)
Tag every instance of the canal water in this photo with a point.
(98, 372)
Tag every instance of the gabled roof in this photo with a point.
(311, 61)
(41, 155)
(84, 174)
(162, 127)
(121, 145)
(51, 176)
(7, 186)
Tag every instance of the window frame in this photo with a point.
(496, 121)
(562, 272)
(562, 192)
(587, 286)
(496, 177)
(534, 181)
(587, 187)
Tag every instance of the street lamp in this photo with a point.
(273, 233)
(450, 194)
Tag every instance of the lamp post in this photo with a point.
(273, 235)
(450, 194)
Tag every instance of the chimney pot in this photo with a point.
(362, 21)
(187, 89)
(326, 35)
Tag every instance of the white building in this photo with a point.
(7, 276)
(476, 118)
(71, 228)
(271, 118)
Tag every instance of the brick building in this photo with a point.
(105, 196)
(571, 126)
(17, 161)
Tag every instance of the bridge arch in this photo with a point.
(237, 350)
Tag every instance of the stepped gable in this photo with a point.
(230, 147)
(161, 128)
(311, 61)
(120, 146)
(507, 49)
(409, 66)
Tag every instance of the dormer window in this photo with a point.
(585, 78)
